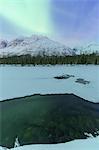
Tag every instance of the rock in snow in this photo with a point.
(3, 44)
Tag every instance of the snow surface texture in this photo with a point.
(85, 144)
(33, 45)
(17, 81)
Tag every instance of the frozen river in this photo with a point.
(17, 81)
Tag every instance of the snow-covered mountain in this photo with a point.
(92, 47)
(89, 48)
(36, 44)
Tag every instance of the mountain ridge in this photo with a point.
(34, 45)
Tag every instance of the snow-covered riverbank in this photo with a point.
(86, 144)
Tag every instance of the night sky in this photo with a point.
(72, 22)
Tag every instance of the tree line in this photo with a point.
(53, 59)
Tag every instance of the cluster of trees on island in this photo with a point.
(28, 59)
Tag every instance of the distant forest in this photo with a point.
(53, 59)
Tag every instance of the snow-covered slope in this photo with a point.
(33, 45)
(92, 47)
(89, 48)
(86, 144)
